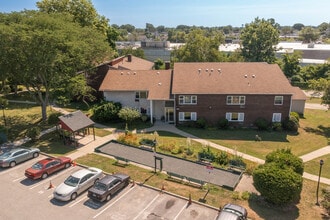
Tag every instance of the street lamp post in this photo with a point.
(318, 183)
(3, 114)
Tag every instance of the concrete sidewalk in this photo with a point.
(90, 145)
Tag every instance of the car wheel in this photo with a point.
(12, 164)
(67, 165)
(108, 197)
(35, 155)
(73, 196)
(44, 176)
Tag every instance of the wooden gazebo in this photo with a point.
(75, 124)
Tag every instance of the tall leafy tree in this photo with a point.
(259, 39)
(199, 48)
(84, 13)
(290, 64)
(50, 50)
(309, 34)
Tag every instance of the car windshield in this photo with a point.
(5, 155)
(37, 166)
(100, 186)
(236, 212)
(72, 181)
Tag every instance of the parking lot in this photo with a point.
(33, 199)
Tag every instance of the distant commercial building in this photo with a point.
(311, 53)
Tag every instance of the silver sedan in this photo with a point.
(17, 155)
(77, 183)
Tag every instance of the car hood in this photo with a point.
(64, 189)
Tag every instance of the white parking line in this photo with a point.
(95, 216)
(183, 208)
(147, 206)
(50, 179)
(18, 179)
(73, 204)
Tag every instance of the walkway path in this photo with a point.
(315, 154)
(90, 145)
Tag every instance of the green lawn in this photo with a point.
(314, 133)
(313, 166)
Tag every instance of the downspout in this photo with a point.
(151, 113)
(290, 105)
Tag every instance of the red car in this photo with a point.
(47, 166)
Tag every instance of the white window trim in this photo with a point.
(278, 97)
(193, 116)
(240, 98)
(277, 117)
(192, 97)
(240, 116)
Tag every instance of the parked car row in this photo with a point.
(100, 188)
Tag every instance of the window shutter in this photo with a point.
(241, 117)
(181, 116)
(193, 116)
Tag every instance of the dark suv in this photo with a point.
(105, 188)
(232, 212)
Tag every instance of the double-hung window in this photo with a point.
(235, 100)
(235, 116)
(278, 100)
(187, 99)
(187, 116)
(140, 95)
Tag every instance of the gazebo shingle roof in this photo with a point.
(75, 121)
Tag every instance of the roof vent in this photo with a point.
(206, 70)
(159, 83)
(121, 73)
(253, 76)
(199, 71)
(157, 72)
(219, 70)
(128, 73)
(211, 70)
(134, 73)
(245, 75)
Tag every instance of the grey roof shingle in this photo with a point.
(76, 120)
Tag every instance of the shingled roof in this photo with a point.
(229, 78)
(131, 62)
(156, 82)
(75, 121)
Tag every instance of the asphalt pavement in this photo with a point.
(184, 168)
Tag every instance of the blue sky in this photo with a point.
(208, 13)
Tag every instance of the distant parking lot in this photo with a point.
(33, 199)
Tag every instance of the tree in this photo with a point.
(285, 159)
(326, 95)
(279, 180)
(199, 48)
(309, 34)
(128, 115)
(290, 64)
(278, 186)
(259, 39)
(158, 63)
(84, 13)
(50, 49)
(298, 26)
